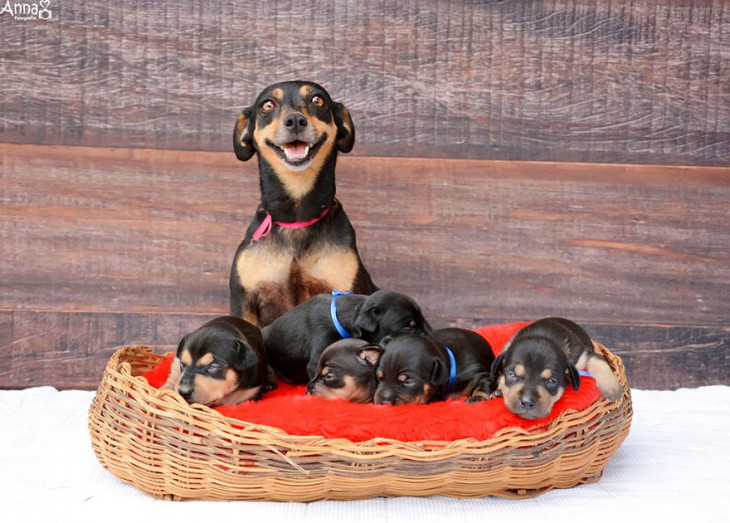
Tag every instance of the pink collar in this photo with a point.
(265, 228)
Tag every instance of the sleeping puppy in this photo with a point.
(222, 362)
(295, 341)
(416, 369)
(346, 370)
(537, 365)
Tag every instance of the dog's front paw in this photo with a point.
(479, 396)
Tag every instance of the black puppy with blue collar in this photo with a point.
(419, 369)
(295, 341)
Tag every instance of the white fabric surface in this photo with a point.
(674, 466)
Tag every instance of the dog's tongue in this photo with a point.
(296, 150)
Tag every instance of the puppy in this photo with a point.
(346, 370)
(300, 242)
(537, 365)
(295, 341)
(222, 362)
(416, 369)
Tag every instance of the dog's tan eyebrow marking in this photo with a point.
(402, 378)
(277, 93)
(520, 370)
(547, 373)
(186, 358)
(325, 371)
(305, 91)
(206, 359)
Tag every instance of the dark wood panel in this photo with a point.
(69, 350)
(569, 80)
(86, 229)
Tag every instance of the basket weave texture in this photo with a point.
(157, 442)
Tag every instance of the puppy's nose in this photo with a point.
(295, 122)
(383, 398)
(185, 392)
(528, 402)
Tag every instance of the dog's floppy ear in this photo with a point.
(370, 355)
(345, 128)
(573, 376)
(243, 135)
(181, 345)
(439, 374)
(368, 320)
(496, 368)
(245, 357)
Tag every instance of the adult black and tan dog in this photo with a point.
(300, 242)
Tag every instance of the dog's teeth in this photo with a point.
(295, 152)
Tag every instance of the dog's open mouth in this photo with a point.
(297, 153)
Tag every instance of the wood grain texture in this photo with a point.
(69, 350)
(568, 80)
(107, 247)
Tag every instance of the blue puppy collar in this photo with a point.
(585, 373)
(452, 370)
(333, 314)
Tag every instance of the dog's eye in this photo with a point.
(317, 101)
(268, 105)
(551, 382)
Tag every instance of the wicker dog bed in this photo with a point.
(156, 441)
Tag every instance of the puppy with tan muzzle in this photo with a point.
(300, 243)
(346, 370)
(420, 369)
(222, 362)
(540, 362)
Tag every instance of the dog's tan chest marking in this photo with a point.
(324, 268)
(336, 267)
(259, 264)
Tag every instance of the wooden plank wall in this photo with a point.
(121, 204)
(628, 81)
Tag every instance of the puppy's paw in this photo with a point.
(611, 391)
(479, 396)
(606, 381)
(271, 382)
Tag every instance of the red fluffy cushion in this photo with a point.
(290, 409)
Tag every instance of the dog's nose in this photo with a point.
(527, 402)
(295, 122)
(383, 398)
(185, 392)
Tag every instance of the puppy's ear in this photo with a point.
(370, 355)
(345, 128)
(573, 376)
(496, 369)
(243, 135)
(439, 373)
(384, 342)
(181, 345)
(368, 320)
(245, 357)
